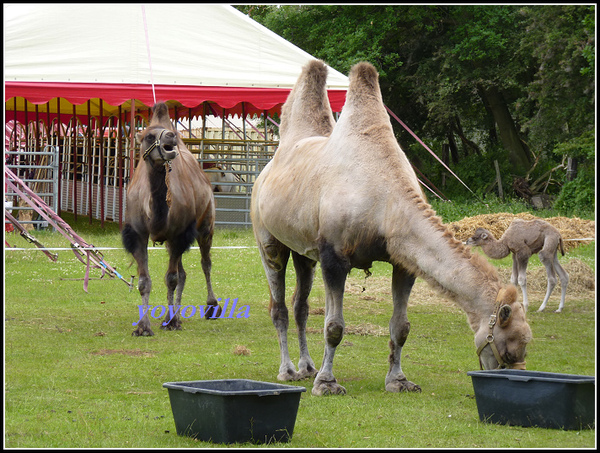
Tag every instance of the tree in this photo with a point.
(502, 82)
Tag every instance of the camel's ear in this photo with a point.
(138, 138)
(504, 314)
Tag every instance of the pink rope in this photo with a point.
(148, 49)
(426, 147)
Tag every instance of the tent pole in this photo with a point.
(101, 164)
(89, 161)
(120, 154)
(60, 154)
(132, 140)
(74, 160)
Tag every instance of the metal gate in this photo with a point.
(39, 170)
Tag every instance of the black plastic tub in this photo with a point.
(234, 410)
(535, 398)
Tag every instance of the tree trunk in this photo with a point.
(519, 155)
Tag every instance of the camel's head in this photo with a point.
(480, 237)
(502, 339)
(157, 144)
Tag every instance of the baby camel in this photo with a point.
(524, 238)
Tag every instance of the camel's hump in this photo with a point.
(363, 75)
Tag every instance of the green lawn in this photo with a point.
(75, 377)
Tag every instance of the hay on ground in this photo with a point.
(570, 228)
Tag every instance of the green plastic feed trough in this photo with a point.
(535, 398)
(234, 410)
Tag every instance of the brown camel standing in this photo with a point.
(345, 195)
(523, 238)
(169, 200)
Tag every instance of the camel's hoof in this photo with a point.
(324, 388)
(289, 375)
(403, 385)
(307, 373)
(558, 311)
(171, 326)
(142, 333)
(210, 312)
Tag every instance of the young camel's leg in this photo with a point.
(335, 270)
(402, 283)
(305, 272)
(553, 267)
(520, 261)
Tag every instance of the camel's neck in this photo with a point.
(158, 190)
(423, 245)
(495, 249)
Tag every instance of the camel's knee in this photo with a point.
(334, 332)
(522, 281)
(552, 281)
(171, 280)
(144, 285)
(301, 310)
(279, 315)
(399, 332)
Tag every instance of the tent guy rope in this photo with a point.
(148, 49)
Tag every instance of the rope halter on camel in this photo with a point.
(168, 168)
(489, 339)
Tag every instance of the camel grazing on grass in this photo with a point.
(523, 238)
(169, 200)
(317, 200)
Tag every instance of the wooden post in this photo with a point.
(499, 179)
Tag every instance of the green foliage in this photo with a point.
(438, 62)
(579, 196)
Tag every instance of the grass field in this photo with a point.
(75, 377)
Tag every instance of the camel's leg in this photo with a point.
(521, 260)
(564, 282)
(144, 286)
(335, 270)
(402, 283)
(553, 267)
(205, 235)
(305, 272)
(175, 282)
(275, 257)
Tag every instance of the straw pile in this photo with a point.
(570, 228)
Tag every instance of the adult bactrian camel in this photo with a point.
(523, 238)
(345, 195)
(169, 200)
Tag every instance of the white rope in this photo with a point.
(148, 49)
(118, 248)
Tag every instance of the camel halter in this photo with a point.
(167, 163)
(156, 144)
(489, 340)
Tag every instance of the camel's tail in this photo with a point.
(306, 112)
(561, 246)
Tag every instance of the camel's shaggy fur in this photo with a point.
(169, 200)
(523, 238)
(344, 194)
